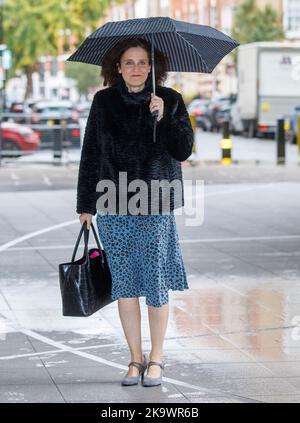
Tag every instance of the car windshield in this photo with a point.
(198, 102)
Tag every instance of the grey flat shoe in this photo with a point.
(153, 381)
(134, 380)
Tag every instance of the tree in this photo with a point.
(252, 24)
(86, 75)
(31, 29)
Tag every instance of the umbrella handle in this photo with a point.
(154, 129)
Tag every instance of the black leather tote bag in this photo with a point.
(85, 284)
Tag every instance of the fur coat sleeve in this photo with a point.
(176, 130)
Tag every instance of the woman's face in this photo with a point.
(135, 66)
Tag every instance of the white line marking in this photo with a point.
(66, 348)
(184, 241)
(50, 228)
(36, 233)
(234, 190)
(103, 346)
(41, 247)
(246, 238)
(91, 347)
(14, 176)
(228, 191)
(47, 180)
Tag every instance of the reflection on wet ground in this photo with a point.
(234, 336)
(226, 341)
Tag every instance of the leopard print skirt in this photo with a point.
(144, 256)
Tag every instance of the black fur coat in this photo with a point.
(119, 138)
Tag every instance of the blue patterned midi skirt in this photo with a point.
(144, 256)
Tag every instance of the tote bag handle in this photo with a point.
(86, 239)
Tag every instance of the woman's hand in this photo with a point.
(86, 217)
(157, 103)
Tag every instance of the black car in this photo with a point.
(48, 116)
(219, 110)
(198, 108)
(52, 112)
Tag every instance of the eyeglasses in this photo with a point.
(129, 64)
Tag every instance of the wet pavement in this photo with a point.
(207, 150)
(234, 336)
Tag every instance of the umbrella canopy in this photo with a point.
(190, 47)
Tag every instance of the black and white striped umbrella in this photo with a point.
(190, 47)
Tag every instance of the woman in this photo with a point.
(142, 249)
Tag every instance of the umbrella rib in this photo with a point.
(187, 41)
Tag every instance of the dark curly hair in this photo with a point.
(109, 70)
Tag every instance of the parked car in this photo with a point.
(18, 107)
(214, 110)
(198, 108)
(17, 112)
(52, 112)
(222, 115)
(18, 139)
(294, 124)
(30, 102)
(45, 114)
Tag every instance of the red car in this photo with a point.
(18, 138)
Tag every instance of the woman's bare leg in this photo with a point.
(158, 321)
(130, 315)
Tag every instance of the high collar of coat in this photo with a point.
(135, 97)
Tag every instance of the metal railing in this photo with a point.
(56, 134)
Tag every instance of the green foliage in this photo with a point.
(31, 27)
(252, 24)
(86, 75)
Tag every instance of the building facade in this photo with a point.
(50, 81)
(291, 18)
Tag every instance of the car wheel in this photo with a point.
(202, 126)
(293, 139)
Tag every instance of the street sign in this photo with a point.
(1, 77)
(6, 59)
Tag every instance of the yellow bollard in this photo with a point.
(193, 122)
(226, 145)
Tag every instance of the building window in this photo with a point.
(291, 11)
(165, 7)
(54, 66)
(42, 72)
(177, 14)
